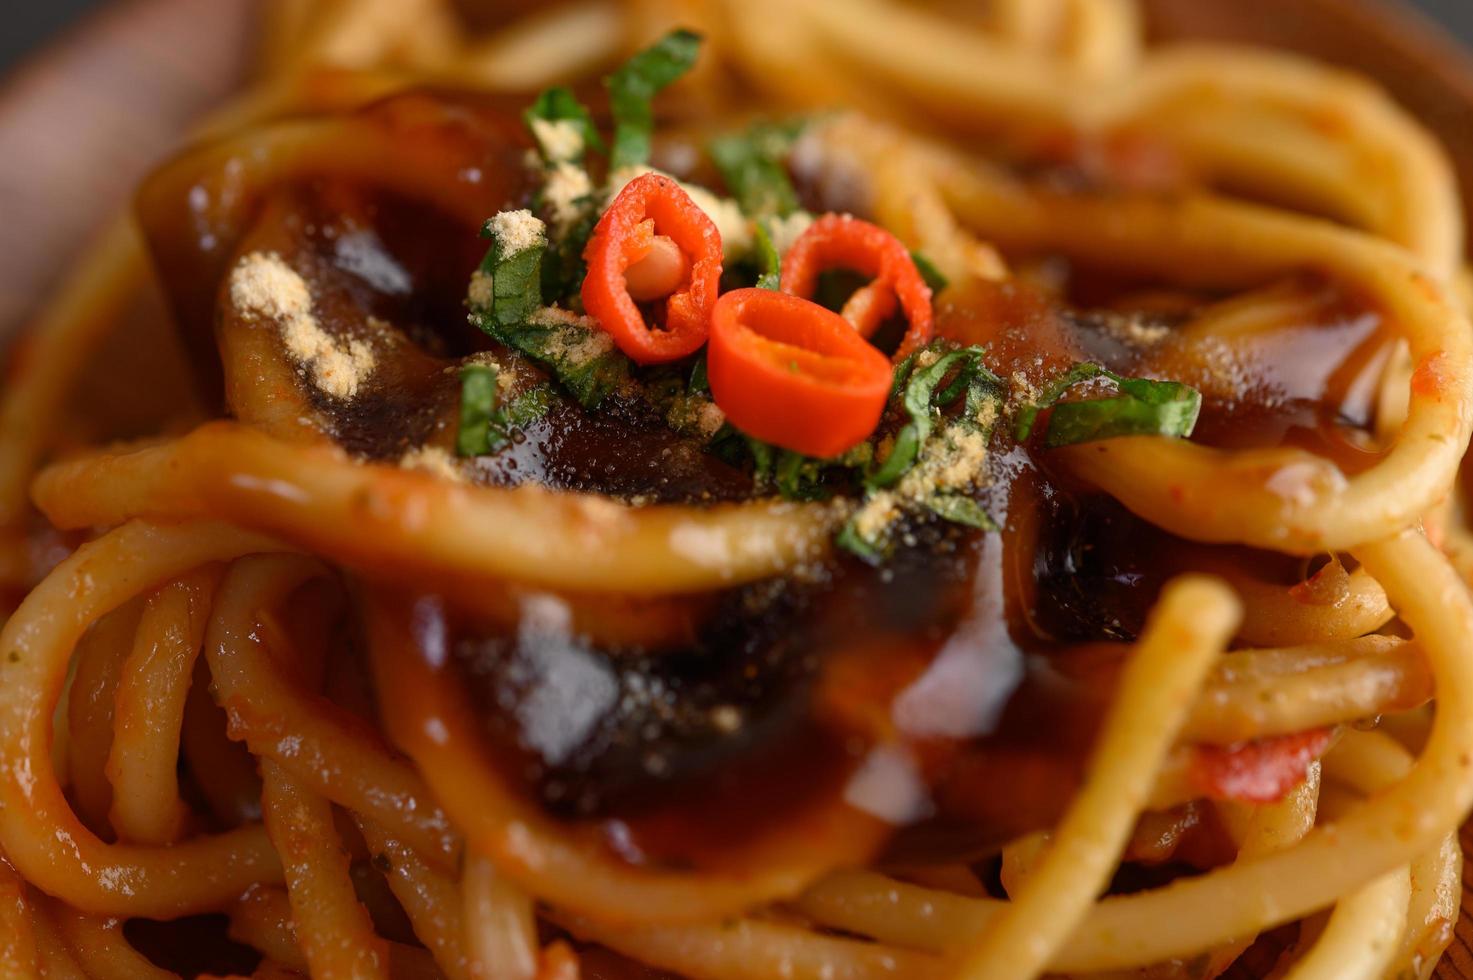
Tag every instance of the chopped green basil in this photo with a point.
(516, 280)
(477, 405)
(851, 540)
(920, 399)
(929, 272)
(700, 382)
(559, 105)
(752, 167)
(960, 509)
(768, 260)
(581, 357)
(1142, 407)
(633, 86)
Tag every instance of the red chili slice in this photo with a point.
(794, 374)
(652, 205)
(841, 241)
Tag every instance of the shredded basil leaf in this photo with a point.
(768, 259)
(527, 407)
(1142, 407)
(516, 282)
(477, 404)
(960, 509)
(561, 105)
(579, 356)
(752, 167)
(700, 382)
(929, 272)
(633, 86)
(921, 398)
(850, 540)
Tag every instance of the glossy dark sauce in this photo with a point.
(958, 651)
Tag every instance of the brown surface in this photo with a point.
(79, 126)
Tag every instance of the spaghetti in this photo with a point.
(907, 491)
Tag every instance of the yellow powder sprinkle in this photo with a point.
(578, 346)
(262, 285)
(517, 231)
(565, 186)
(480, 295)
(560, 139)
(786, 231)
(433, 459)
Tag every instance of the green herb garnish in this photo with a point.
(920, 400)
(477, 404)
(560, 105)
(514, 265)
(633, 87)
(753, 167)
(767, 258)
(959, 509)
(1142, 407)
(582, 358)
(933, 276)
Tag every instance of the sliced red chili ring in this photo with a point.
(789, 372)
(841, 241)
(651, 205)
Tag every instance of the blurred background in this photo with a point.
(30, 23)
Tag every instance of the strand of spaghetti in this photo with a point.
(408, 525)
(361, 33)
(1260, 693)
(18, 953)
(1355, 127)
(223, 771)
(262, 919)
(1361, 937)
(1191, 623)
(284, 29)
(333, 929)
(768, 43)
(334, 753)
(546, 47)
(54, 350)
(973, 80)
(572, 867)
(99, 661)
(1392, 829)
(1371, 761)
(1309, 612)
(430, 899)
(500, 929)
(1030, 25)
(753, 949)
(55, 960)
(901, 195)
(1105, 37)
(1285, 500)
(1262, 830)
(142, 764)
(100, 947)
(39, 833)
